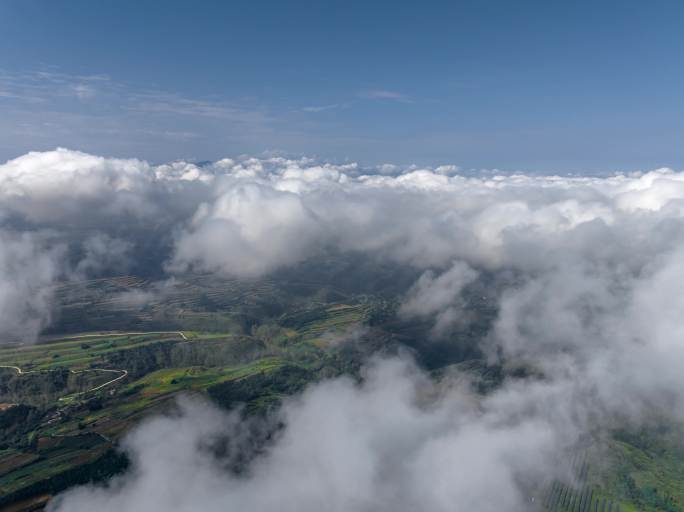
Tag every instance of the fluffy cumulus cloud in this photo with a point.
(250, 216)
(248, 230)
(583, 277)
(61, 185)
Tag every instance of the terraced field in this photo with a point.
(581, 496)
(198, 302)
(620, 477)
(76, 352)
(335, 321)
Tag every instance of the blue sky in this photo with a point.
(544, 86)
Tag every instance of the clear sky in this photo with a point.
(544, 86)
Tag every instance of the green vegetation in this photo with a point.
(645, 468)
(75, 353)
(626, 473)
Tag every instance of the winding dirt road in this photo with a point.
(123, 373)
(180, 333)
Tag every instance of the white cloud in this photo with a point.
(58, 185)
(28, 268)
(345, 447)
(248, 230)
(439, 296)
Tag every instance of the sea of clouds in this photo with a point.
(594, 268)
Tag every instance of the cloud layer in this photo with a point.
(585, 275)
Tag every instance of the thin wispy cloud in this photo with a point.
(52, 87)
(172, 103)
(44, 86)
(84, 91)
(322, 108)
(378, 95)
(383, 94)
(82, 108)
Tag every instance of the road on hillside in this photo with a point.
(123, 373)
